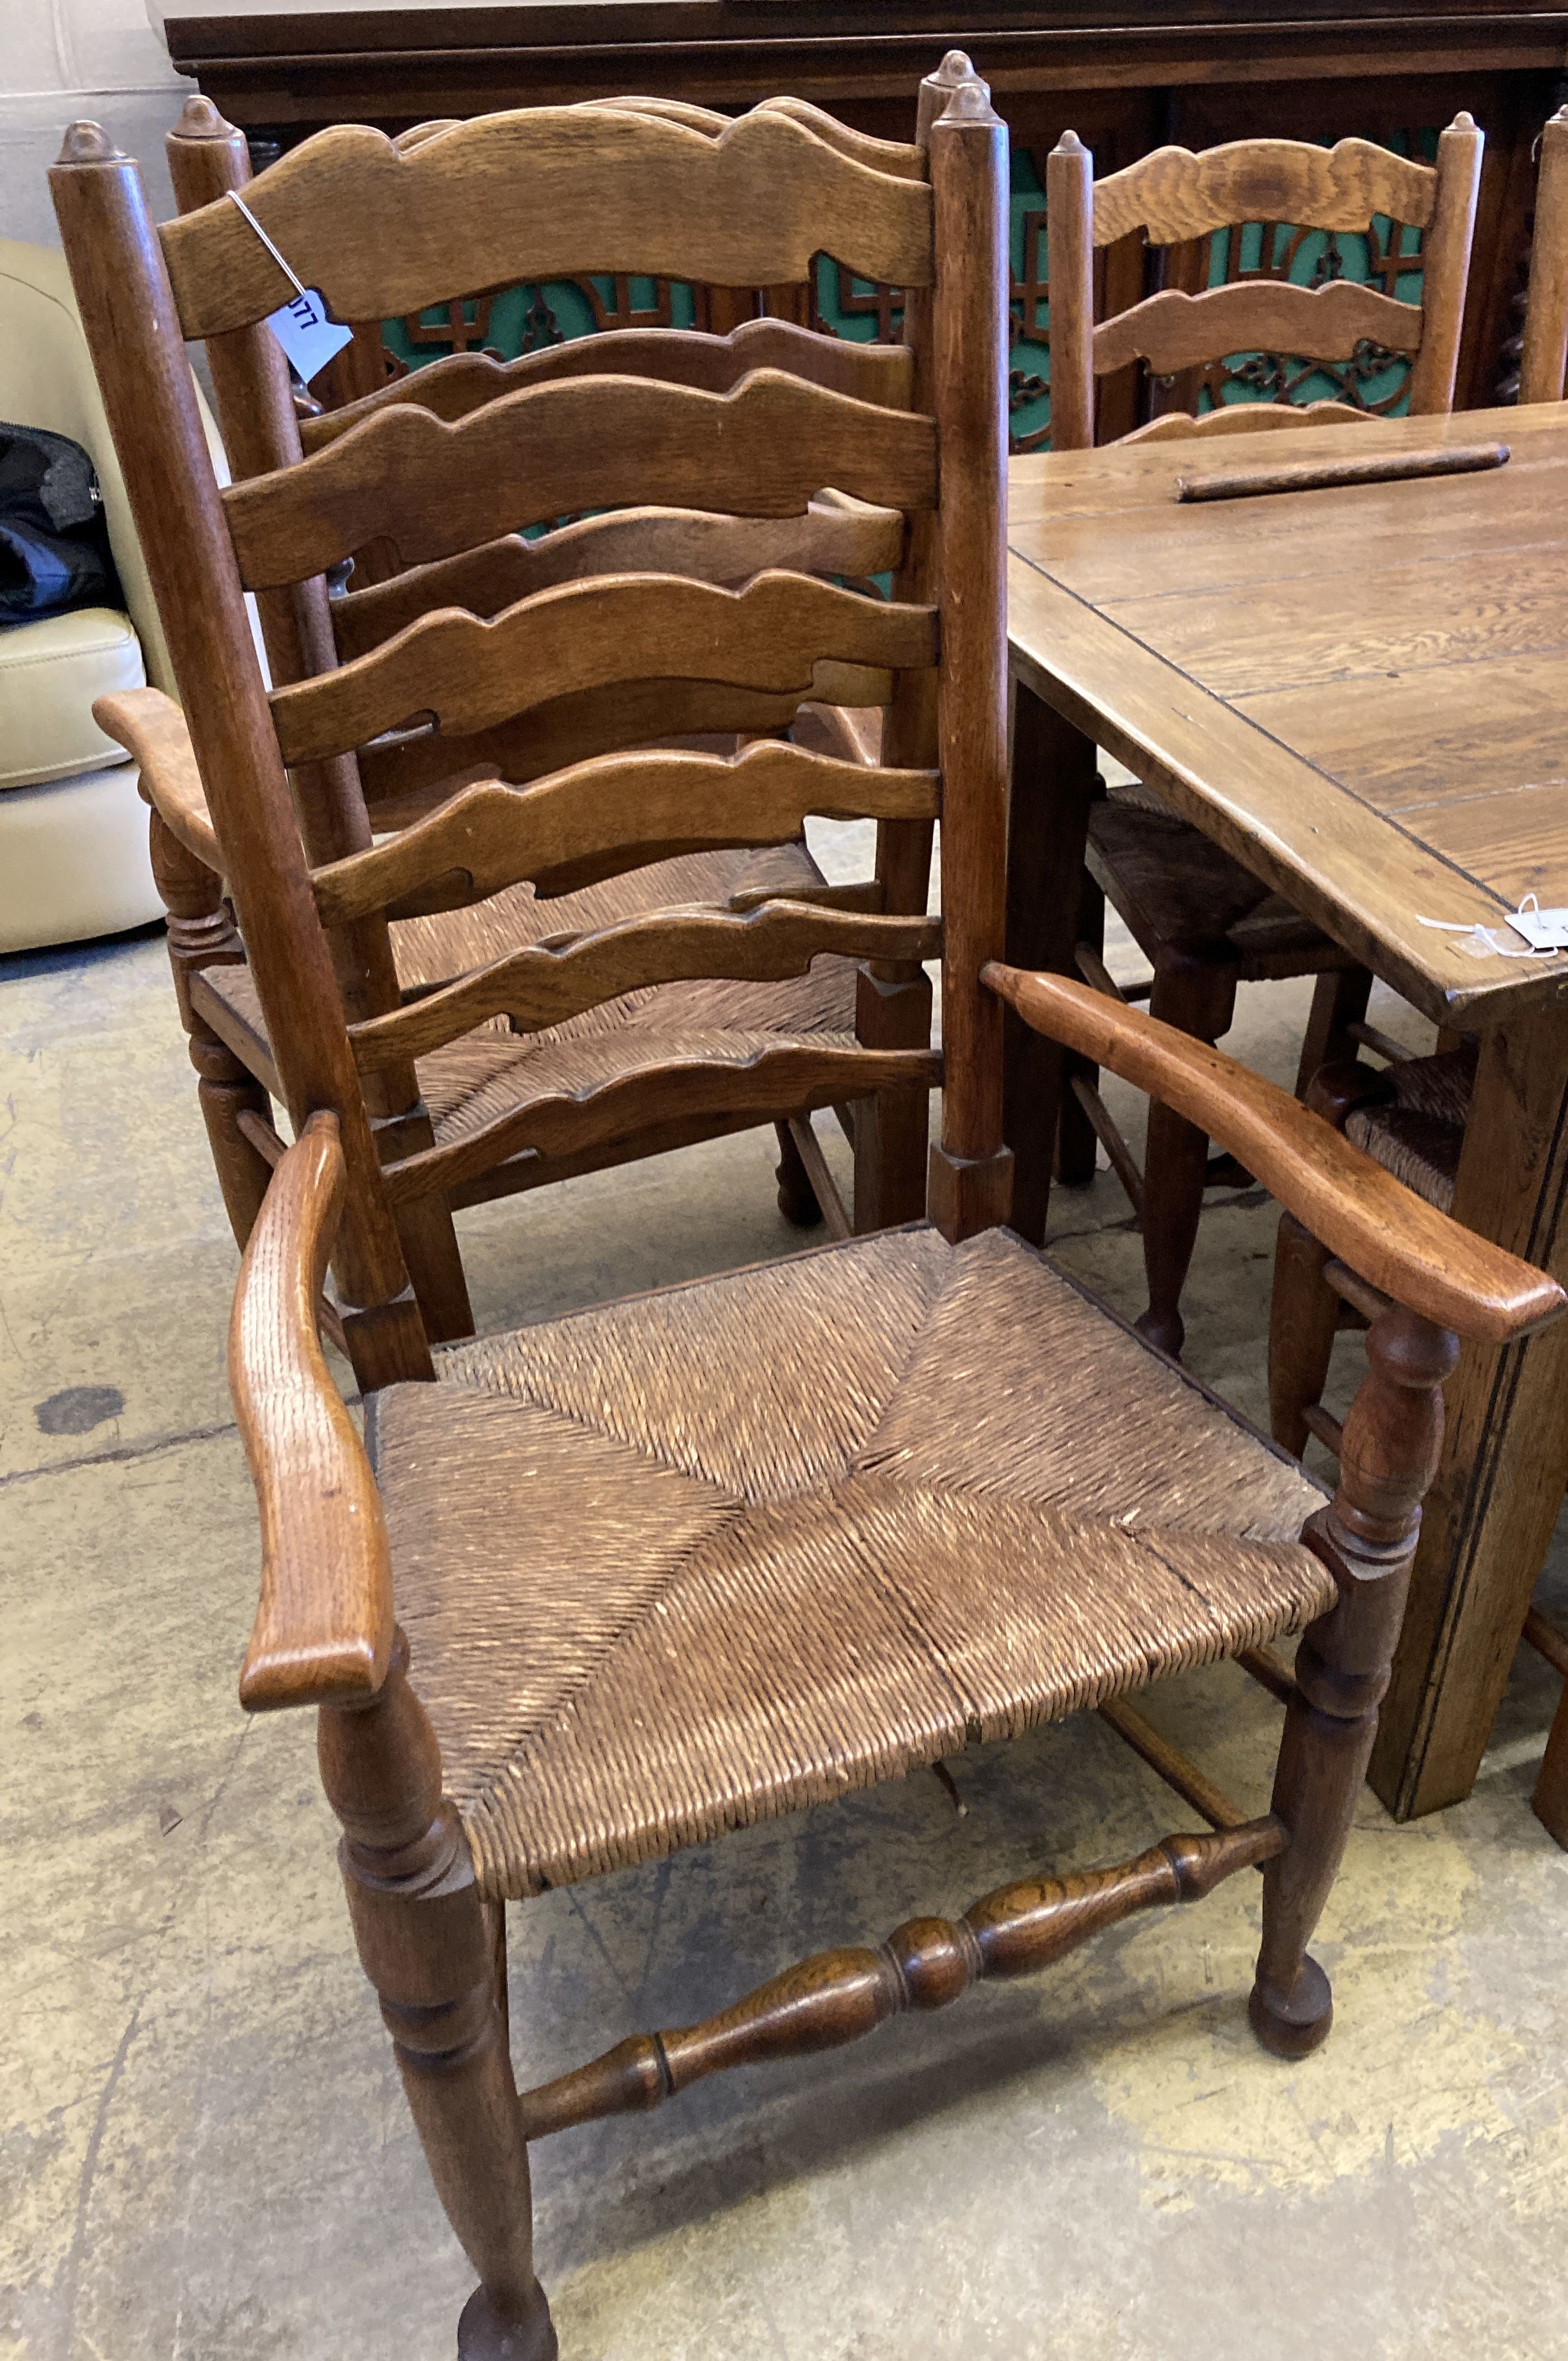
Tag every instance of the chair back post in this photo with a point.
(1069, 243)
(1545, 357)
(207, 158)
(138, 344)
(1445, 269)
(970, 1170)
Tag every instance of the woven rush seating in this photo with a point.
(493, 1069)
(1417, 1135)
(657, 1584)
(1173, 885)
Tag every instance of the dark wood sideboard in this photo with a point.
(1190, 70)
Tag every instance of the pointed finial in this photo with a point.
(971, 103)
(954, 69)
(86, 142)
(199, 119)
(1069, 144)
(1463, 122)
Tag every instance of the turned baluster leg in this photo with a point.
(1196, 992)
(1366, 1538)
(201, 935)
(428, 1946)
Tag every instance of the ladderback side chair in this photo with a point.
(1412, 1117)
(427, 1096)
(616, 1583)
(1204, 923)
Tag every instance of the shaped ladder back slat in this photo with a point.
(1174, 195)
(550, 983)
(618, 813)
(462, 382)
(857, 540)
(433, 490)
(1173, 330)
(471, 675)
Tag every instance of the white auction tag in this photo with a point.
(306, 335)
(1543, 931)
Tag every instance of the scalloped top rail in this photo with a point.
(543, 192)
(1174, 195)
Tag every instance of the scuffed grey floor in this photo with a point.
(204, 2151)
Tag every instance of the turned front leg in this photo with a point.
(429, 1948)
(1366, 1538)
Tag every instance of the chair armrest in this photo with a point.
(1387, 1234)
(323, 1630)
(151, 726)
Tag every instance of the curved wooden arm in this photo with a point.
(151, 726)
(1383, 1230)
(323, 1630)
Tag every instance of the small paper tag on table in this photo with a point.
(1543, 931)
(306, 335)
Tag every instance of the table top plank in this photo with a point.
(1310, 630)
(1360, 691)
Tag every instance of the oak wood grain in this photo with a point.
(1333, 475)
(323, 1629)
(1391, 1237)
(1545, 355)
(1173, 330)
(152, 729)
(432, 489)
(471, 675)
(459, 383)
(1248, 418)
(540, 193)
(627, 808)
(550, 981)
(856, 539)
(1175, 195)
(775, 1082)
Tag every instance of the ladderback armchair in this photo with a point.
(620, 1582)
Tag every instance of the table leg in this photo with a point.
(1505, 1463)
(1052, 788)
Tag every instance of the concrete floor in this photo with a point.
(204, 2151)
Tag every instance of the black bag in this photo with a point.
(54, 544)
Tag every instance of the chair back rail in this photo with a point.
(793, 1076)
(626, 810)
(550, 983)
(433, 489)
(1176, 197)
(543, 669)
(1545, 355)
(461, 382)
(539, 194)
(859, 541)
(470, 674)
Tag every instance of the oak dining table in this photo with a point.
(1360, 690)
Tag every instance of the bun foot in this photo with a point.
(1294, 2023)
(483, 2335)
(1167, 1332)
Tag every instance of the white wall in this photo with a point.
(61, 58)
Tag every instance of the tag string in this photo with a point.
(298, 285)
(1482, 940)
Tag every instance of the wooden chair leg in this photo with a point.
(797, 1198)
(429, 1948)
(1550, 1801)
(891, 1130)
(201, 934)
(1302, 1323)
(1197, 993)
(1366, 1538)
(1076, 1140)
(1339, 1001)
(425, 1227)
